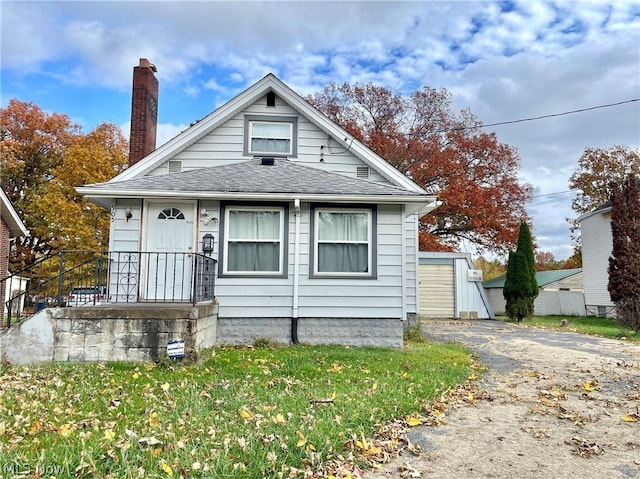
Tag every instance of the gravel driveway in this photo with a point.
(552, 405)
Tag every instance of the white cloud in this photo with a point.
(528, 58)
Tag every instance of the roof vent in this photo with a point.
(175, 166)
(271, 99)
(362, 172)
(270, 160)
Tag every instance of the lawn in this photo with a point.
(269, 411)
(593, 325)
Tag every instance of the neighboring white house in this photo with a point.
(10, 226)
(561, 292)
(597, 246)
(313, 230)
(450, 287)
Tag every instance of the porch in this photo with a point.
(87, 278)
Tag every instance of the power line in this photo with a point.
(551, 198)
(554, 194)
(608, 105)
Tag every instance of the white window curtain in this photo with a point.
(271, 137)
(253, 241)
(343, 242)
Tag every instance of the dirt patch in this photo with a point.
(552, 404)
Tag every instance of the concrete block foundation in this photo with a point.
(139, 332)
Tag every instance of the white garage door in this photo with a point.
(437, 296)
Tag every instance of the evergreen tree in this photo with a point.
(520, 287)
(624, 263)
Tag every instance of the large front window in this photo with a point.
(254, 240)
(343, 242)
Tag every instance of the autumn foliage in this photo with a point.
(599, 169)
(44, 156)
(624, 263)
(473, 175)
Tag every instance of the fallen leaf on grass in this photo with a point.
(335, 368)
(149, 441)
(279, 419)
(167, 469)
(368, 448)
(302, 440)
(65, 430)
(246, 414)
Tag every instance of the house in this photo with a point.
(451, 288)
(314, 235)
(561, 292)
(11, 226)
(597, 246)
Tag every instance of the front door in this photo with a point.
(170, 232)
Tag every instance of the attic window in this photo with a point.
(270, 136)
(362, 172)
(175, 166)
(271, 99)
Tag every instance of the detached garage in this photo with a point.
(450, 288)
(561, 292)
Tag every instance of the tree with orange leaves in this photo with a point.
(598, 169)
(473, 175)
(44, 156)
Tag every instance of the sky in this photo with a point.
(504, 61)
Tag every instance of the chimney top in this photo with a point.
(146, 63)
(144, 111)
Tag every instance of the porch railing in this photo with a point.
(83, 278)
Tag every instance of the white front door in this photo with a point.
(169, 240)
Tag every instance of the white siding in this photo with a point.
(570, 303)
(225, 145)
(496, 298)
(124, 235)
(470, 299)
(264, 297)
(411, 264)
(322, 298)
(597, 244)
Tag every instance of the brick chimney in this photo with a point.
(144, 111)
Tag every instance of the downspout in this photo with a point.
(296, 273)
(403, 269)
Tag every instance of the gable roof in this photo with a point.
(604, 208)
(270, 83)
(543, 278)
(10, 216)
(251, 179)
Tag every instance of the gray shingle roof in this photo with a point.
(543, 278)
(284, 176)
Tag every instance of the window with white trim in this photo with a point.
(254, 240)
(270, 136)
(343, 242)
